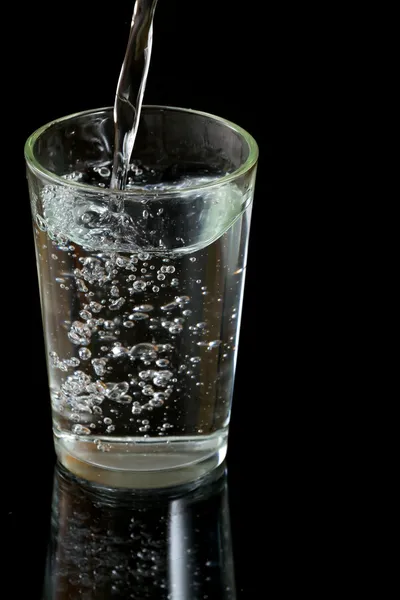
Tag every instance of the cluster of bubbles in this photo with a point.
(108, 283)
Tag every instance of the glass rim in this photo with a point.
(38, 169)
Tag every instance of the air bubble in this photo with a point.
(170, 305)
(99, 366)
(214, 343)
(72, 362)
(144, 351)
(148, 390)
(138, 316)
(85, 315)
(157, 400)
(155, 288)
(95, 307)
(175, 328)
(195, 359)
(81, 287)
(107, 421)
(146, 375)
(143, 308)
(192, 259)
(110, 428)
(80, 430)
(80, 334)
(41, 223)
(116, 391)
(116, 304)
(128, 324)
(114, 291)
(104, 172)
(118, 351)
(162, 362)
(161, 276)
(139, 285)
(182, 299)
(162, 378)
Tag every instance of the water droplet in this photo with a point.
(80, 430)
(80, 333)
(99, 365)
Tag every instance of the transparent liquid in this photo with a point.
(141, 340)
(130, 89)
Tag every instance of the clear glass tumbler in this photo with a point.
(141, 289)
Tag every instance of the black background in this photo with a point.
(205, 58)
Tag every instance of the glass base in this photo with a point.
(139, 463)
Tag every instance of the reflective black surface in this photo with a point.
(169, 545)
(69, 539)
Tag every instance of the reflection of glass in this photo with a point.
(166, 545)
(141, 289)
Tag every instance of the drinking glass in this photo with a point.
(141, 289)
